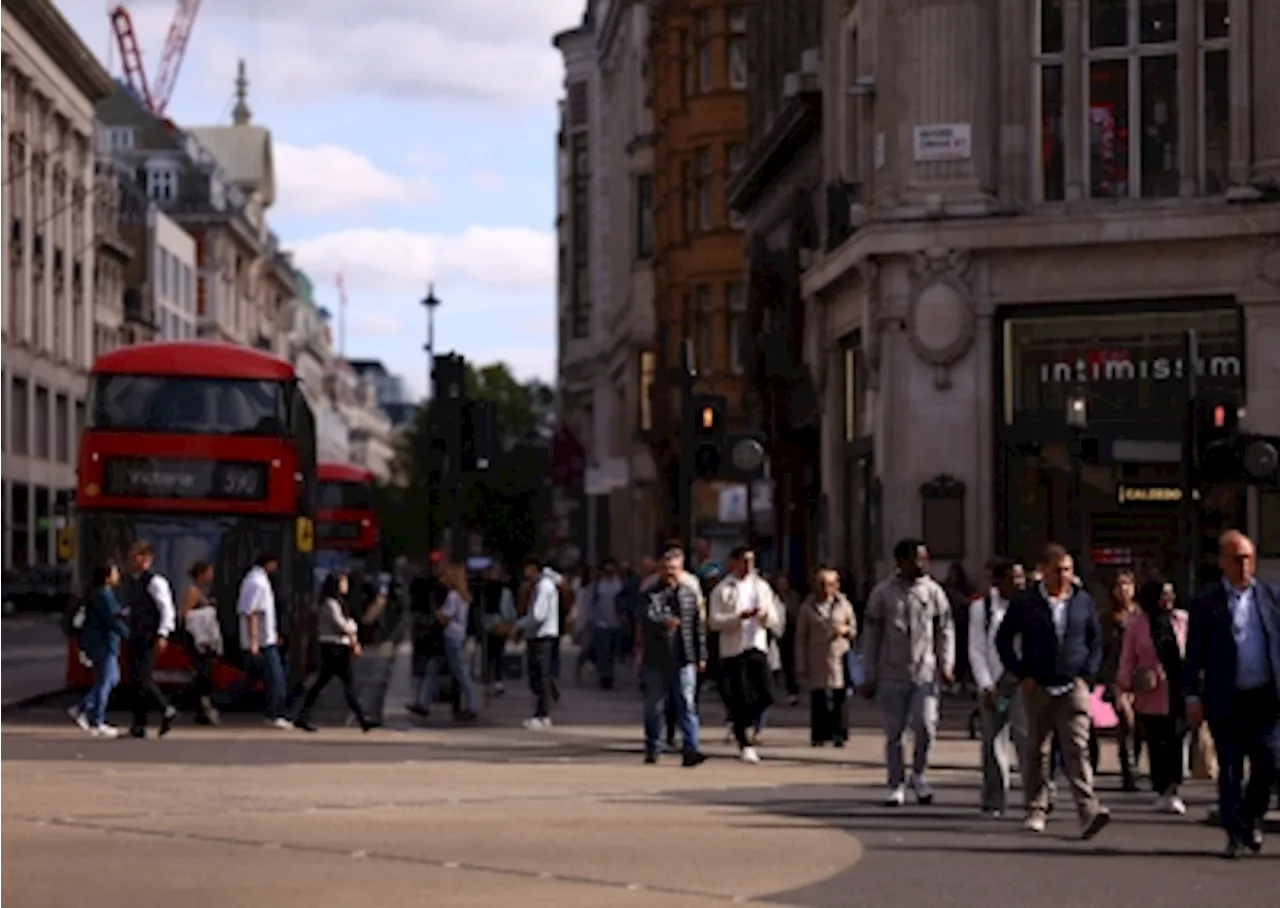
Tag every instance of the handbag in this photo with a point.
(1204, 754)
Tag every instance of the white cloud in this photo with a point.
(309, 51)
(488, 180)
(402, 262)
(330, 179)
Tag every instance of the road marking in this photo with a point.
(451, 865)
(633, 887)
(546, 876)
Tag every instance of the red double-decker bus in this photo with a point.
(345, 521)
(207, 452)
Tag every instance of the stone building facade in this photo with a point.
(1048, 195)
(699, 79)
(47, 272)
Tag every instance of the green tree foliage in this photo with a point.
(503, 503)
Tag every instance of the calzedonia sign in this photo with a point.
(202, 480)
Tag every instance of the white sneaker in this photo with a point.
(1171, 804)
(749, 755)
(535, 723)
(1034, 823)
(923, 790)
(897, 797)
(282, 723)
(77, 715)
(104, 731)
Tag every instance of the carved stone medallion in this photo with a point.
(941, 317)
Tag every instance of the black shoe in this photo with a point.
(418, 710)
(1233, 850)
(1096, 824)
(651, 758)
(368, 725)
(137, 732)
(465, 716)
(166, 720)
(697, 758)
(304, 725)
(671, 742)
(1253, 841)
(816, 743)
(838, 742)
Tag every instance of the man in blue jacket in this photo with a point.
(1051, 641)
(1231, 674)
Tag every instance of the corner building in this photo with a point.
(1033, 202)
(699, 78)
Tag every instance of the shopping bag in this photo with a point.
(1204, 755)
(1101, 713)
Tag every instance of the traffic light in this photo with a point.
(483, 419)
(743, 457)
(708, 427)
(1225, 455)
(1215, 424)
(448, 378)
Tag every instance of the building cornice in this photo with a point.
(1143, 223)
(799, 122)
(58, 39)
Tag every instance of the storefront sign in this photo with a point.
(1150, 494)
(943, 142)
(1131, 367)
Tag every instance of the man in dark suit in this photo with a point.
(1231, 673)
(1058, 653)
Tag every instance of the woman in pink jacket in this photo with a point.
(1150, 668)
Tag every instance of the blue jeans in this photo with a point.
(271, 668)
(657, 683)
(106, 675)
(604, 647)
(454, 656)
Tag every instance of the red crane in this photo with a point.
(154, 95)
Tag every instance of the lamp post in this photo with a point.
(431, 302)
(1077, 422)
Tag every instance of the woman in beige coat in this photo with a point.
(825, 629)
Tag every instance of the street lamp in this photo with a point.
(431, 302)
(1077, 421)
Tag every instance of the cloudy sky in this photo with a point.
(414, 141)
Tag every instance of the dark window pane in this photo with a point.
(335, 495)
(1050, 26)
(1159, 126)
(1052, 164)
(1157, 21)
(1109, 129)
(1217, 19)
(1217, 118)
(205, 406)
(1108, 23)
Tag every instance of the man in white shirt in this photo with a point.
(742, 609)
(1003, 720)
(259, 637)
(148, 601)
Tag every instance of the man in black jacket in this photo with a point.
(675, 651)
(148, 603)
(1056, 658)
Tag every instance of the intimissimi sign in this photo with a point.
(1123, 366)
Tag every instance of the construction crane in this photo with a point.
(154, 95)
(342, 313)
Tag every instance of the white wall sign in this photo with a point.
(732, 505)
(943, 142)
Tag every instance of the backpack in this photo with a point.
(74, 617)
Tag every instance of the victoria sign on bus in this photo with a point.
(211, 480)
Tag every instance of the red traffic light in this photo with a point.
(1220, 416)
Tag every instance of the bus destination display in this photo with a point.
(209, 480)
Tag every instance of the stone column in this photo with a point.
(1074, 112)
(1241, 79)
(1191, 111)
(1265, 31)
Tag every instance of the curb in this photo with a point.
(33, 700)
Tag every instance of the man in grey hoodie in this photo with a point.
(909, 646)
(541, 628)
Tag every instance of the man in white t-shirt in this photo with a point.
(259, 638)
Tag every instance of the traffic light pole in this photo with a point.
(1189, 524)
(684, 498)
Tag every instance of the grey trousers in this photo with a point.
(1067, 716)
(1004, 739)
(904, 705)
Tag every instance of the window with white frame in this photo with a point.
(162, 181)
(736, 49)
(1134, 60)
(703, 177)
